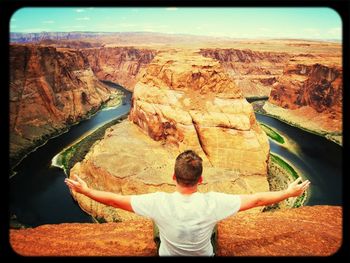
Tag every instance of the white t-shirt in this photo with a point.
(186, 222)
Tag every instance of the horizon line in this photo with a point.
(187, 34)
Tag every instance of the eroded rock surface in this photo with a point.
(49, 89)
(306, 231)
(253, 71)
(121, 65)
(183, 101)
(189, 101)
(309, 96)
(303, 83)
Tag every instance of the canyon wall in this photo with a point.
(303, 84)
(310, 96)
(306, 231)
(316, 85)
(188, 100)
(121, 65)
(182, 101)
(50, 89)
(253, 71)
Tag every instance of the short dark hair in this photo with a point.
(188, 168)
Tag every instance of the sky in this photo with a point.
(305, 23)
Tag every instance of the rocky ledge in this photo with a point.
(306, 231)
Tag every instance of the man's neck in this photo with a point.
(186, 190)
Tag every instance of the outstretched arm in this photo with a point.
(268, 198)
(107, 198)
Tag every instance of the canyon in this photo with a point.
(303, 84)
(50, 89)
(185, 95)
(182, 101)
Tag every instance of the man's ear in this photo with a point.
(174, 177)
(200, 180)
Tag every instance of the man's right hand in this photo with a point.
(78, 185)
(296, 189)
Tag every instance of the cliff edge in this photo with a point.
(305, 231)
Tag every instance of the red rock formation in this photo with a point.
(183, 101)
(319, 87)
(305, 80)
(187, 100)
(252, 71)
(306, 231)
(49, 89)
(120, 64)
(310, 96)
(246, 55)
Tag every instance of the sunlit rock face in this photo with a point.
(306, 231)
(301, 79)
(49, 89)
(252, 70)
(182, 101)
(121, 65)
(189, 101)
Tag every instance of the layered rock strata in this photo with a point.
(189, 101)
(183, 101)
(306, 231)
(121, 65)
(49, 90)
(253, 71)
(304, 89)
(311, 95)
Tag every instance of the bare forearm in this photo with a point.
(269, 198)
(294, 189)
(108, 198)
(262, 199)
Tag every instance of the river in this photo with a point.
(314, 157)
(39, 196)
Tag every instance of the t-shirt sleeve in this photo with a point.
(226, 205)
(144, 204)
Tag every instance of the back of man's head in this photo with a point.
(188, 168)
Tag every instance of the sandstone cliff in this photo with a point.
(182, 101)
(306, 231)
(189, 101)
(304, 84)
(253, 71)
(310, 96)
(119, 64)
(49, 89)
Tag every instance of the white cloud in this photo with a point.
(48, 22)
(127, 25)
(335, 31)
(13, 20)
(310, 30)
(79, 10)
(83, 18)
(31, 30)
(171, 8)
(73, 26)
(265, 29)
(78, 26)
